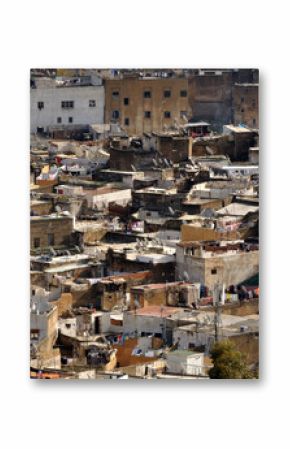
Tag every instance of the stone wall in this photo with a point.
(60, 228)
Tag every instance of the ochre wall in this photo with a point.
(191, 233)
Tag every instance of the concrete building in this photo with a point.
(128, 158)
(155, 199)
(165, 294)
(201, 332)
(173, 146)
(246, 104)
(207, 231)
(146, 104)
(210, 96)
(211, 263)
(69, 103)
(50, 230)
(102, 197)
(185, 362)
(150, 320)
(43, 335)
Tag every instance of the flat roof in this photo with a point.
(50, 217)
(237, 209)
(189, 125)
(155, 311)
(238, 129)
(184, 353)
(160, 285)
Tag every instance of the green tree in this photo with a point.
(228, 363)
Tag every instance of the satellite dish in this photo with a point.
(171, 211)
(58, 208)
(185, 275)
(133, 167)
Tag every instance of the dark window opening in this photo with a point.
(40, 105)
(127, 121)
(34, 334)
(58, 119)
(92, 103)
(167, 114)
(67, 104)
(115, 94)
(115, 114)
(214, 271)
(147, 114)
(147, 94)
(36, 243)
(242, 99)
(183, 93)
(70, 120)
(167, 93)
(126, 101)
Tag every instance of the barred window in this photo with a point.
(67, 104)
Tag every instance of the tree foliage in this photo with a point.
(228, 363)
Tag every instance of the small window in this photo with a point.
(126, 121)
(115, 94)
(214, 271)
(92, 103)
(34, 334)
(126, 101)
(70, 120)
(183, 93)
(115, 114)
(242, 110)
(50, 239)
(40, 105)
(167, 93)
(242, 99)
(254, 122)
(36, 243)
(147, 94)
(147, 114)
(167, 114)
(58, 119)
(67, 104)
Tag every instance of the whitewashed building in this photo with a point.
(59, 103)
(185, 362)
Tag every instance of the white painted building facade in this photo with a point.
(185, 362)
(62, 105)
